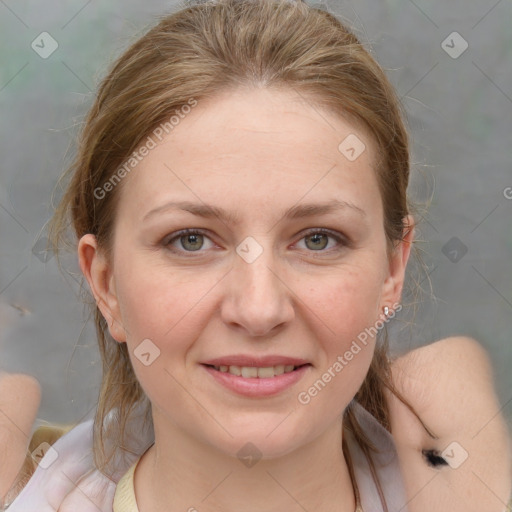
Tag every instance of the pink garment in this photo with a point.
(66, 478)
(71, 482)
(386, 466)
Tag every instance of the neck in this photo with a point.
(178, 473)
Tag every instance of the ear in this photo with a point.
(393, 285)
(97, 271)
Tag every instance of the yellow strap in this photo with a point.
(124, 497)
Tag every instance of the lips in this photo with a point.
(244, 381)
(259, 362)
(256, 372)
(257, 376)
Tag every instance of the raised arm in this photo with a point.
(20, 396)
(469, 467)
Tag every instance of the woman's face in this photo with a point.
(290, 263)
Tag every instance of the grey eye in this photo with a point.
(318, 243)
(195, 240)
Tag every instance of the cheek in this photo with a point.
(169, 307)
(346, 301)
(161, 320)
(344, 311)
(347, 308)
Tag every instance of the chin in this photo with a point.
(265, 443)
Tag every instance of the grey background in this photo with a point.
(459, 111)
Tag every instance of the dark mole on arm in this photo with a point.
(434, 458)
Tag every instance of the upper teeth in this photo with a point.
(253, 371)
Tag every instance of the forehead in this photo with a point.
(254, 147)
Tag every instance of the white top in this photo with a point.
(67, 480)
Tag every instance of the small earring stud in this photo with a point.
(386, 311)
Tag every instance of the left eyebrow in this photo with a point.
(295, 212)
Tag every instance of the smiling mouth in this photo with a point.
(253, 372)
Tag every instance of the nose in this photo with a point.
(258, 295)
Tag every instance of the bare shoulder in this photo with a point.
(467, 465)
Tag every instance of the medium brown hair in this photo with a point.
(198, 52)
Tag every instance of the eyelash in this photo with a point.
(332, 234)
